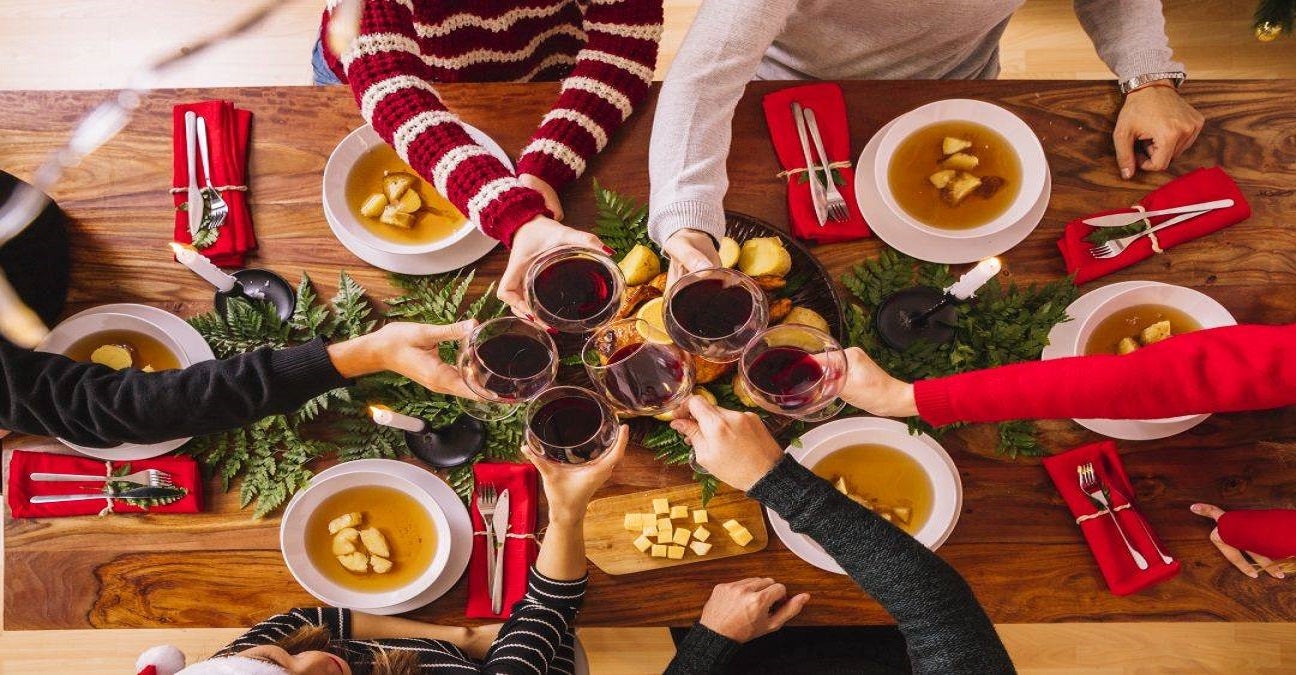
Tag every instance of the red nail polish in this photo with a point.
(551, 330)
(608, 250)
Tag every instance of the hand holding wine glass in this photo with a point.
(533, 240)
(573, 289)
(715, 312)
(794, 370)
(408, 348)
(689, 250)
(569, 487)
(733, 446)
(874, 390)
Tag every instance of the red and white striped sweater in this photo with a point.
(602, 50)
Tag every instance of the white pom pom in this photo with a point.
(166, 659)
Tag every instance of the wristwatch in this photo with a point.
(1126, 86)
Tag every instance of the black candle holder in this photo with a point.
(448, 446)
(916, 314)
(260, 284)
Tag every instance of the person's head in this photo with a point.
(305, 651)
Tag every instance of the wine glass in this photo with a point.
(715, 312)
(794, 370)
(637, 368)
(570, 424)
(506, 361)
(573, 289)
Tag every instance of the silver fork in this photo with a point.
(486, 500)
(147, 477)
(1116, 247)
(817, 197)
(1090, 486)
(219, 209)
(837, 211)
(1165, 558)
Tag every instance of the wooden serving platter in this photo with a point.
(609, 545)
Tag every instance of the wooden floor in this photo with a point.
(1044, 40)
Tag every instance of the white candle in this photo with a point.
(976, 277)
(203, 267)
(390, 418)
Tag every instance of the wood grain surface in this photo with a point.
(1015, 543)
(608, 544)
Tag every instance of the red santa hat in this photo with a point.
(167, 660)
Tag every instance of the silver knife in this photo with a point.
(816, 190)
(134, 493)
(194, 206)
(1123, 219)
(501, 521)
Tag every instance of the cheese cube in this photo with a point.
(634, 522)
(682, 536)
(643, 543)
(699, 515)
(648, 518)
(701, 534)
(732, 525)
(700, 547)
(659, 551)
(650, 530)
(679, 511)
(664, 537)
(741, 536)
(675, 553)
(661, 506)
(665, 525)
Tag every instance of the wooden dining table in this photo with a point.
(1015, 543)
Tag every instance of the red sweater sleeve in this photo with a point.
(1218, 370)
(610, 79)
(1271, 533)
(392, 85)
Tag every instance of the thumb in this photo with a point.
(1207, 510)
(789, 610)
(1123, 137)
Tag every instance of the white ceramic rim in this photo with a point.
(188, 345)
(918, 244)
(337, 171)
(947, 486)
(292, 540)
(461, 530)
(1030, 154)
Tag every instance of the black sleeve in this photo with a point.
(944, 626)
(270, 631)
(93, 405)
(538, 635)
(702, 651)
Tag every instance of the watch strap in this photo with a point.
(1128, 85)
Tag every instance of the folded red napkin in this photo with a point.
(520, 547)
(1269, 532)
(183, 470)
(1201, 185)
(1118, 568)
(829, 107)
(228, 130)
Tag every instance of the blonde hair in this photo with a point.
(318, 638)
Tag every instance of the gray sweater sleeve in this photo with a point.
(692, 127)
(1129, 35)
(944, 626)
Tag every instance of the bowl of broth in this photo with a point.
(364, 539)
(118, 341)
(1145, 315)
(960, 169)
(378, 199)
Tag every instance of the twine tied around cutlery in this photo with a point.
(218, 188)
(787, 173)
(1147, 225)
(1101, 513)
(107, 509)
(536, 536)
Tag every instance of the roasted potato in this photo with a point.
(763, 256)
(806, 317)
(640, 265)
(729, 252)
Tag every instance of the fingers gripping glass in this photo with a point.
(574, 290)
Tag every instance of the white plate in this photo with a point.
(456, 517)
(470, 248)
(947, 487)
(180, 335)
(1061, 341)
(923, 245)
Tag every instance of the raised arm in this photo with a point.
(392, 85)
(1129, 35)
(943, 624)
(692, 127)
(609, 81)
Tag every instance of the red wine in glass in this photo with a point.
(506, 361)
(787, 374)
(570, 424)
(574, 290)
(714, 313)
(794, 370)
(636, 367)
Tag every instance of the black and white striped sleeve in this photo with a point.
(270, 631)
(537, 638)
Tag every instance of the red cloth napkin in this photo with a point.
(830, 112)
(184, 473)
(1201, 185)
(228, 130)
(1269, 532)
(521, 480)
(1118, 568)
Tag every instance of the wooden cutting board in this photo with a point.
(610, 546)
